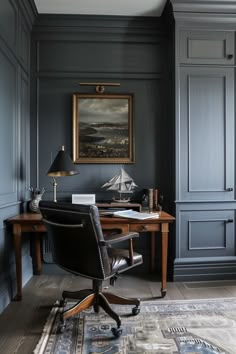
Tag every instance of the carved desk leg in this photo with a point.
(164, 245)
(38, 254)
(17, 246)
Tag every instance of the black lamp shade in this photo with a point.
(62, 165)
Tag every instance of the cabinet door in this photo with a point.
(207, 47)
(206, 134)
(207, 233)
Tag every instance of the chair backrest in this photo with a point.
(74, 233)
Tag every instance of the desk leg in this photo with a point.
(17, 247)
(164, 246)
(38, 254)
(153, 251)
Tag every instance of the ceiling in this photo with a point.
(101, 7)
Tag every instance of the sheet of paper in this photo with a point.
(135, 214)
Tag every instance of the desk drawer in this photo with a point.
(144, 227)
(33, 228)
(123, 228)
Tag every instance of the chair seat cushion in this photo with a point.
(120, 260)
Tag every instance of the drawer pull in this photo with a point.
(144, 228)
(34, 227)
(229, 189)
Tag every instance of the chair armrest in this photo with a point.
(118, 238)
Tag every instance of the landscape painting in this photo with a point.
(102, 128)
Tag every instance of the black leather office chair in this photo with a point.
(78, 246)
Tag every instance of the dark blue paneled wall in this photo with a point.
(68, 50)
(43, 59)
(135, 52)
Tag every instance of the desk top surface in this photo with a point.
(37, 217)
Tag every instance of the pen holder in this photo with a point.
(34, 203)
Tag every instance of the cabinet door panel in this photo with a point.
(206, 233)
(206, 134)
(207, 47)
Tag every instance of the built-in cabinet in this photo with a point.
(202, 46)
(205, 144)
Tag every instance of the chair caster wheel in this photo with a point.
(62, 303)
(61, 328)
(135, 310)
(117, 332)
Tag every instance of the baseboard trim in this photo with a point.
(195, 270)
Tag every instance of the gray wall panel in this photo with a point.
(97, 56)
(55, 127)
(14, 136)
(24, 45)
(136, 61)
(206, 233)
(206, 133)
(66, 52)
(207, 47)
(8, 106)
(8, 22)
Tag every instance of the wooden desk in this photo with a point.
(32, 223)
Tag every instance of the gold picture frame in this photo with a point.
(103, 128)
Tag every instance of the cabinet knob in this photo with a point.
(230, 220)
(229, 189)
(229, 56)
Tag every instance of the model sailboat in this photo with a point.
(123, 184)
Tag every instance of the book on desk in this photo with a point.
(125, 210)
(106, 209)
(137, 215)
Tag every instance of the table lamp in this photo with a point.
(61, 166)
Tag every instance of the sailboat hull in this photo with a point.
(126, 200)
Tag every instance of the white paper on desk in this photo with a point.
(135, 215)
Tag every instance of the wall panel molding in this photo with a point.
(146, 27)
(207, 6)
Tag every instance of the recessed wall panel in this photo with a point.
(206, 135)
(206, 233)
(8, 18)
(76, 56)
(199, 234)
(207, 47)
(206, 160)
(8, 173)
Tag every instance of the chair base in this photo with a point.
(96, 298)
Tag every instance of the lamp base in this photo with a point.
(54, 184)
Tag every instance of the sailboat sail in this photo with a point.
(121, 183)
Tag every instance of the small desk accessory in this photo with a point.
(121, 183)
(86, 199)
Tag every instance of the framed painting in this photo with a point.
(103, 128)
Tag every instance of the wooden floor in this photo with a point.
(22, 322)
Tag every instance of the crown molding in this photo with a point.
(204, 6)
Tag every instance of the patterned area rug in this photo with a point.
(162, 327)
